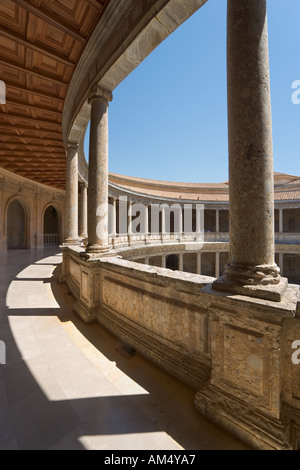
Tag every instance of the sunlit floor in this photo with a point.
(67, 385)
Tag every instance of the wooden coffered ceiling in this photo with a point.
(41, 42)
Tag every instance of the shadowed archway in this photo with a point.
(16, 225)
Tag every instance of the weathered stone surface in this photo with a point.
(251, 191)
(269, 292)
(98, 173)
(234, 349)
(71, 223)
(83, 211)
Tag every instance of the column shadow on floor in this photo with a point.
(176, 399)
(30, 420)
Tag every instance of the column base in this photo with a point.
(88, 315)
(71, 242)
(96, 251)
(273, 292)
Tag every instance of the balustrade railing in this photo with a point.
(50, 239)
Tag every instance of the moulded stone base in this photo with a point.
(96, 252)
(71, 242)
(86, 314)
(241, 419)
(271, 292)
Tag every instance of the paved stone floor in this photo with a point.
(67, 385)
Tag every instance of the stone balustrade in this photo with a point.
(235, 351)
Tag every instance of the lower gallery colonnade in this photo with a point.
(198, 327)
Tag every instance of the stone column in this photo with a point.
(114, 219)
(180, 267)
(71, 212)
(3, 244)
(39, 242)
(281, 262)
(199, 222)
(146, 222)
(163, 261)
(199, 262)
(251, 269)
(98, 174)
(217, 269)
(163, 222)
(129, 219)
(180, 223)
(83, 210)
(217, 221)
(280, 220)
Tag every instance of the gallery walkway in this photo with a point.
(67, 385)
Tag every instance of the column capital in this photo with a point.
(83, 184)
(100, 94)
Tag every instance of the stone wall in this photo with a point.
(235, 351)
(22, 206)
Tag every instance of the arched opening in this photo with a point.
(16, 225)
(172, 262)
(51, 226)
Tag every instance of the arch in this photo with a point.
(52, 224)
(17, 224)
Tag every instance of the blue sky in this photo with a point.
(168, 119)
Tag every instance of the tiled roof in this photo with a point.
(214, 192)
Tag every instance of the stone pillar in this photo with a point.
(146, 222)
(217, 221)
(83, 210)
(281, 262)
(71, 212)
(39, 236)
(114, 218)
(180, 267)
(199, 262)
(98, 174)
(180, 223)
(163, 222)
(3, 243)
(199, 222)
(251, 269)
(163, 261)
(217, 269)
(280, 220)
(129, 219)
